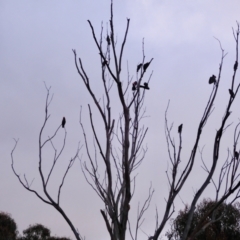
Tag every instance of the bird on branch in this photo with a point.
(228, 114)
(236, 155)
(63, 122)
(180, 128)
(145, 66)
(231, 93)
(235, 66)
(104, 63)
(139, 66)
(134, 86)
(212, 79)
(145, 86)
(108, 40)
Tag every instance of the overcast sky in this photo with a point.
(36, 42)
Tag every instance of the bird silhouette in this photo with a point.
(108, 40)
(236, 155)
(228, 114)
(235, 66)
(145, 66)
(139, 66)
(104, 63)
(180, 128)
(231, 93)
(134, 86)
(212, 79)
(63, 122)
(145, 86)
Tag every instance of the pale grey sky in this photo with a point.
(36, 42)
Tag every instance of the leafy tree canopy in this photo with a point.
(8, 227)
(8, 230)
(223, 224)
(39, 232)
(36, 232)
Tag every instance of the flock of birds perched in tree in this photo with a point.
(212, 79)
(139, 66)
(144, 67)
(144, 86)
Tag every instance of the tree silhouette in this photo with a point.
(223, 224)
(121, 150)
(117, 185)
(36, 232)
(8, 227)
(39, 232)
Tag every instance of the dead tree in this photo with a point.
(48, 198)
(121, 148)
(122, 151)
(229, 175)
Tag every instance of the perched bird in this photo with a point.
(228, 114)
(145, 86)
(180, 128)
(108, 40)
(235, 66)
(63, 122)
(134, 86)
(212, 79)
(145, 66)
(231, 93)
(139, 66)
(236, 155)
(104, 63)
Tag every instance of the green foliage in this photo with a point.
(39, 232)
(8, 230)
(8, 227)
(226, 228)
(36, 232)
